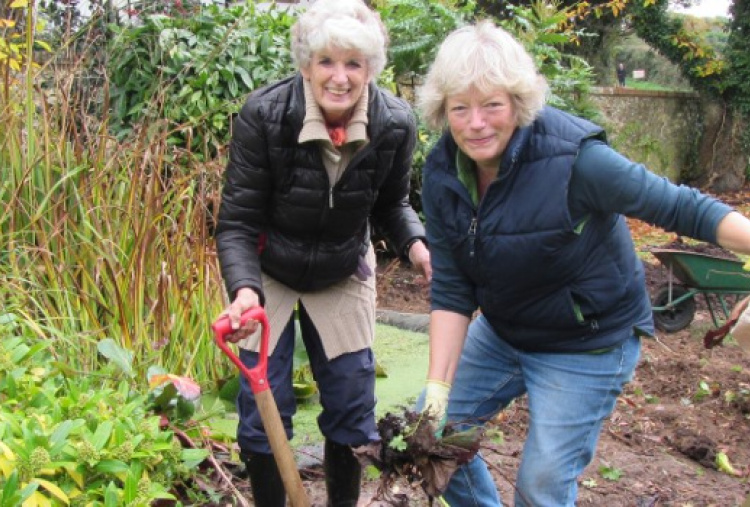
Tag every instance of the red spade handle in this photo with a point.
(258, 375)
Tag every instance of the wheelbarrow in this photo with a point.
(269, 412)
(673, 304)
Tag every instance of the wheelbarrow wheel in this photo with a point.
(679, 316)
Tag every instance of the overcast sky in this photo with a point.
(709, 9)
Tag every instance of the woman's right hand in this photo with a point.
(419, 256)
(246, 298)
(436, 403)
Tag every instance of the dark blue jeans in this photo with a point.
(346, 385)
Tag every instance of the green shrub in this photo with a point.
(195, 72)
(540, 29)
(416, 28)
(74, 439)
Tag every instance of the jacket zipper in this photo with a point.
(459, 189)
(475, 220)
(355, 160)
(472, 237)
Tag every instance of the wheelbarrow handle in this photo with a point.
(269, 412)
(258, 375)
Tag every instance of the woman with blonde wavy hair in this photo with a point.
(536, 289)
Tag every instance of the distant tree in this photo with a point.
(601, 25)
(504, 10)
(723, 80)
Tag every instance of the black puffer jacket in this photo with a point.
(277, 192)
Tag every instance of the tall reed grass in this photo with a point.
(100, 239)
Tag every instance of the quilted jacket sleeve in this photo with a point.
(392, 212)
(243, 202)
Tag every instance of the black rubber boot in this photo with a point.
(265, 480)
(343, 475)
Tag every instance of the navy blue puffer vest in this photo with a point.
(543, 282)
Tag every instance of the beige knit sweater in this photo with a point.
(343, 314)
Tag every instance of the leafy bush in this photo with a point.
(541, 29)
(194, 72)
(15, 39)
(416, 28)
(426, 139)
(73, 439)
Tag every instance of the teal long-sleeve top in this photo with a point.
(603, 180)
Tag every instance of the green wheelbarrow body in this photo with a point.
(693, 273)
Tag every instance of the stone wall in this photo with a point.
(662, 130)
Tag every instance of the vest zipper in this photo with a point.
(594, 325)
(472, 237)
(330, 198)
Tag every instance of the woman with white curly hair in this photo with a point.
(314, 161)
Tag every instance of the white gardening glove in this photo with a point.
(436, 402)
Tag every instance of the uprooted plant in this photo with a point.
(410, 448)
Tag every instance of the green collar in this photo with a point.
(467, 175)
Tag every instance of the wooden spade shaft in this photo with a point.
(282, 452)
(269, 413)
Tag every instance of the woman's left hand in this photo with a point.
(419, 256)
